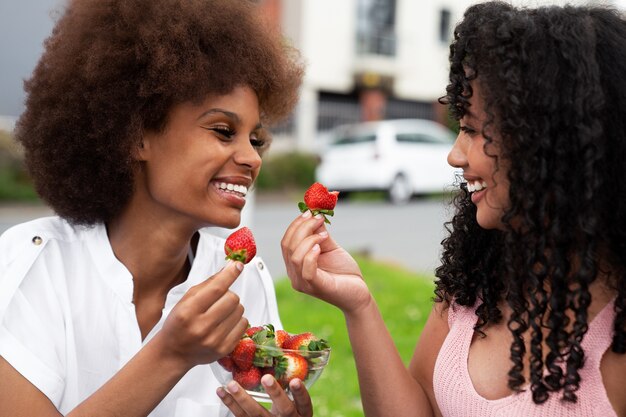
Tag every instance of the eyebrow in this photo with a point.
(228, 114)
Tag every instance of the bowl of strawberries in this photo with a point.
(265, 350)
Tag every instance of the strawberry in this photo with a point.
(290, 366)
(243, 354)
(319, 200)
(305, 341)
(249, 379)
(281, 336)
(240, 246)
(227, 363)
(251, 331)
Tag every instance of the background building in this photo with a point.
(368, 60)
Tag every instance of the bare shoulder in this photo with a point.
(20, 398)
(613, 369)
(422, 364)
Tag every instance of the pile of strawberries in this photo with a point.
(264, 350)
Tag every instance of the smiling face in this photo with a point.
(484, 172)
(200, 168)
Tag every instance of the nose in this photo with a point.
(456, 156)
(248, 155)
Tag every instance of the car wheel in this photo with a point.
(400, 191)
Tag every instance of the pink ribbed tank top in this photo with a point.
(456, 396)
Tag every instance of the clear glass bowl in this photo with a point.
(284, 364)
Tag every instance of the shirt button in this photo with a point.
(260, 265)
(37, 240)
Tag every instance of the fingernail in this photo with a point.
(323, 234)
(296, 384)
(267, 381)
(232, 387)
(306, 214)
(315, 248)
(318, 216)
(239, 266)
(220, 392)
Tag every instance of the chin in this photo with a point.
(489, 222)
(231, 224)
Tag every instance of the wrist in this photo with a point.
(177, 363)
(361, 309)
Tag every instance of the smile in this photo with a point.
(238, 189)
(473, 186)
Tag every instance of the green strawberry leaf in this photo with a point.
(302, 206)
(238, 255)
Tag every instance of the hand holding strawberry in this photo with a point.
(240, 246)
(319, 200)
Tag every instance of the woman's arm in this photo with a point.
(204, 326)
(318, 266)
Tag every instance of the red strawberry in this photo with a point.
(281, 336)
(305, 341)
(248, 379)
(290, 366)
(240, 246)
(319, 200)
(227, 363)
(252, 330)
(243, 354)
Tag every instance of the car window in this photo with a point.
(354, 139)
(421, 138)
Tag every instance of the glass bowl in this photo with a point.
(283, 364)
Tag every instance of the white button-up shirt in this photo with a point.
(68, 324)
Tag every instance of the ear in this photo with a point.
(140, 150)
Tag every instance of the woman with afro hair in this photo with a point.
(529, 316)
(145, 123)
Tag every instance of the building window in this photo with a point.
(376, 27)
(444, 26)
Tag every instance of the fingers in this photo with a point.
(281, 404)
(211, 290)
(239, 402)
(301, 397)
(230, 402)
(304, 225)
(309, 264)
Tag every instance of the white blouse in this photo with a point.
(68, 324)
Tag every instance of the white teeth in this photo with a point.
(236, 188)
(476, 186)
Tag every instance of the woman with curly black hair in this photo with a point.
(529, 316)
(145, 122)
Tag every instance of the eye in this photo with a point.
(260, 140)
(223, 131)
(467, 130)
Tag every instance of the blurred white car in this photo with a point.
(402, 157)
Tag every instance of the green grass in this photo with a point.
(404, 300)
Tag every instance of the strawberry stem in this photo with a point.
(324, 212)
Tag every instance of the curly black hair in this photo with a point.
(552, 79)
(112, 69)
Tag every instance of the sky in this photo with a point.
(24, 25)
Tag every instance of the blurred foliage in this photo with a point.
(287, 171)
(404, 300)
(452, 123)
(15, 184)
